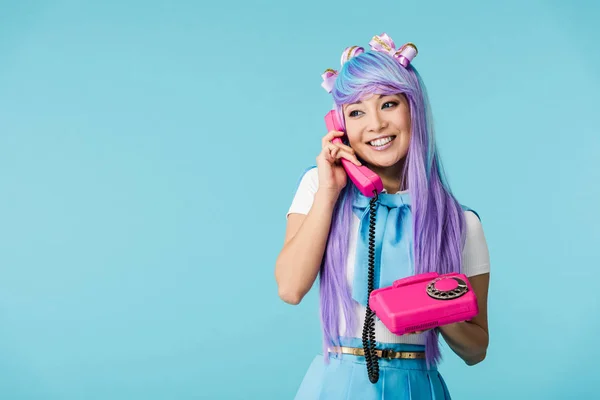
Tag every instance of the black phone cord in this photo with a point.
(368, 334)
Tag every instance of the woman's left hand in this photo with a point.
(417, 332)
(427, 330)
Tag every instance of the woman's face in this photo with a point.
(378, 129)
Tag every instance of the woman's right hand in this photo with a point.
(332, 176)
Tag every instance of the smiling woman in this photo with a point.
(418, 226)
(376, 124)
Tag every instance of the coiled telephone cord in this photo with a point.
(368, 334)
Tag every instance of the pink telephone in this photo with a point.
(424, 301)
(365, 180)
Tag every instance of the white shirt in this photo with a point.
(476, 258)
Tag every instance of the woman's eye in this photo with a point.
(390, 104)
(354, 113)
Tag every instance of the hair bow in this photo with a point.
(329, 77)
(383, 43)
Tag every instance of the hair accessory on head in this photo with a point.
(383, 43)
(350, 52)
(329, 77)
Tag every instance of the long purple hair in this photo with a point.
(438, 221)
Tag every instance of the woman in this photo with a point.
(420, 227)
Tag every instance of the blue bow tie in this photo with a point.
(393, 242)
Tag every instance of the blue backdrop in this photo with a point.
(149, 152)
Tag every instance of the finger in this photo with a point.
(329, 137)
(329, 153)
(332, 152)
(348, 156)
(412, 333)
(346, 148)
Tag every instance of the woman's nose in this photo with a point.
(376, 122)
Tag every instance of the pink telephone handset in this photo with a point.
(365, 180)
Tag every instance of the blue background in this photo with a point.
(149, 152)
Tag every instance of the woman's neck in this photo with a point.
(391, 177)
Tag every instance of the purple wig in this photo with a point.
(438, 221)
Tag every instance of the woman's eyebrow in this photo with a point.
(378, 97)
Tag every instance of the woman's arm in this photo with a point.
(469, 339)
(298, 263)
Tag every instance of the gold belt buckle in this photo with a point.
(387, 353)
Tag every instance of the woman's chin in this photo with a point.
(383, 160)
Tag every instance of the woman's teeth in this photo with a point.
(381, 142)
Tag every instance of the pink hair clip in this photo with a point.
(383, 43)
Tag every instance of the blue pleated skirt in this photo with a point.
(346, 378)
